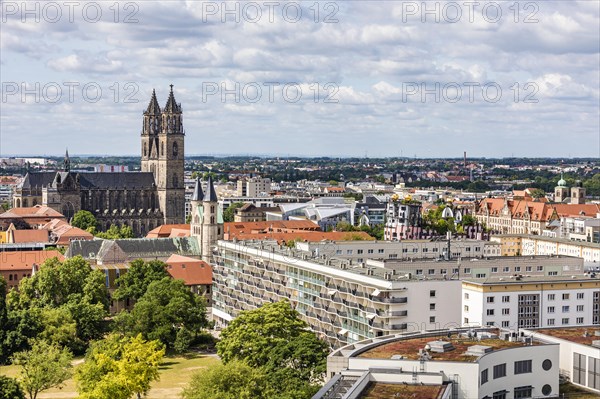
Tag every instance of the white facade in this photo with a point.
(527, 303)
(493, 375)
(532, 245)
(578, 362)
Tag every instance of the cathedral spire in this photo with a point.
(198, 194)
(172, 107)
(67, 162)
(211, 195)
(153, 107)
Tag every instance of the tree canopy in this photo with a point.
(84, 220)
(169, 312)
(134, 283)
(44, 366)
(119, 367)
(229, 213)
(10, 388)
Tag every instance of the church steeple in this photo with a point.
(198, 194)
(67, 162)
(211, 194)
(172, 107)
(153, 107)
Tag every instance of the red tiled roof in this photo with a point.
(164, 230)
(24, 236)
(191, 271)
(24, 260)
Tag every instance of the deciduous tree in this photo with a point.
(44, 366)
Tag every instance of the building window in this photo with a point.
(431, 271)
(466, 308)
(494, 270)
(551, 297)
(359, 251)
(380, 251)
(369, 251)
(480, 275)
(432, 319)
(484, 377)
(579, 368)
(349, 252)
(506, 311)
(566, 309)
(506, 269)
(505, 323)
(506, 298)
(527, 268)
(550, 322)
(565, 321)
(500, 370)
(580, 308)
(580, 295)
(540, 268)
(419, 271)
(552, 273)
(523, 366)
(565, 297)
(490, 299)
(594, 373)
(466, 295)
(517, 268)
(490, 312)
(550, 309)
(522, 392)
(432, 306)
(579, 320)
(499, 395)
(467, 270)
(432, 293)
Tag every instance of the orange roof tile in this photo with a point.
(191, 271)
(24, 260)
(164, 230)
(23, 236)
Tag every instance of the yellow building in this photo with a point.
(510, 245)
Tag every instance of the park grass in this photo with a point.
(175, 374)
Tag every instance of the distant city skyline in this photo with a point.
(308, 79)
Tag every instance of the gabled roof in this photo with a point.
(104, 180)
(24, 260)
(27, 236)
(29, 212)
(37, 179)
(191, 271)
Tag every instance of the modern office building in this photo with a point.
(450, 363)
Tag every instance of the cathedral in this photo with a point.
(142, 200)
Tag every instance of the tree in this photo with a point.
(85, 220)
(234, 380)
(166, 308)
(115, 232)
(134, 283)
(119, 367)
(229, 213)
(273, 336)
(44, 366)
(10, 389)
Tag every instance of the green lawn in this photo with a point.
(175, 373)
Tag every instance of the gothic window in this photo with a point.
(174, 179)
(25, 204)
(162, 148)
(175, 150)
(145, 149)
(212, 220)
(18, 203)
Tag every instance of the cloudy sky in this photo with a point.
(338, 78)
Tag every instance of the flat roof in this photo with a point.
(579, 335)
(378, 390)
(591, 245)
(512, 279)
(409, 348)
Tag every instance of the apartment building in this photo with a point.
(444, 364)
(530, 302)
(579, 353)
(527, 245)
(253, 187)
(346, 301)
(360, 251)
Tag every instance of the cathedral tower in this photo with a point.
(163, 155)
(207, 219)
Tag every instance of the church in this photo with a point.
(142, 200)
